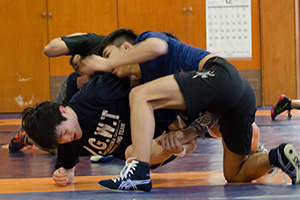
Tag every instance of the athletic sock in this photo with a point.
(273, 156)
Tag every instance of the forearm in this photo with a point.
(141, 52)
(56, 47)
(185, 135)
(191, 146)
(158, 155)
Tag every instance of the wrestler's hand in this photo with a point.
(93, 63)
(62, 177)
(123, 71)
(170, 143)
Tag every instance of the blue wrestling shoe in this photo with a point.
(286, 158)
(134, 177)
(283, 103)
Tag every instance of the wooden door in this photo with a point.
(23, 68)
(157, 15)
(279, 55)
(70, 16)
(196, 23)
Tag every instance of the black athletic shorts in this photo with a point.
(219, 89)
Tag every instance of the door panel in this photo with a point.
(197, 23)
(144, 15)
(24, 69)
(278, 50)
(70, 16)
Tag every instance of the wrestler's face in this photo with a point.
(111, 50)
(68, 130)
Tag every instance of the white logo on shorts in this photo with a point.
(204, 74)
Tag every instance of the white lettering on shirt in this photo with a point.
(112, 133)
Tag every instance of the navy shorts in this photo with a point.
(219, 89)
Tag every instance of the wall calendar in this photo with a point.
(228, 28)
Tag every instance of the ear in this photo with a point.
(63, 110)
(127, 45)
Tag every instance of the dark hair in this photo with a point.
(117, 38)
(171, 35)
(40, 123)
(71, 60)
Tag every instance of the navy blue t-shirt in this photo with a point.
(180, 57)
(103, 113)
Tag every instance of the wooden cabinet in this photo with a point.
(23, 68)
(70, 16)
(26, 27)
(157, 15)
(184, 18)
(280, 44)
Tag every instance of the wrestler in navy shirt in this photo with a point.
(102, 108)
(103, 114)
(180, 57)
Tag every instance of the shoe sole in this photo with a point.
(292, 156)
(121, 190)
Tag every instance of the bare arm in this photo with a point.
(141, 52)
(167, 145)
(57, 47)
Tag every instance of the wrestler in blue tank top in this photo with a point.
(180, 56)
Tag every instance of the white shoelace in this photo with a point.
(275, 171)
(127, 169)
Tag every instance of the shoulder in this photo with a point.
(151, 34)
(94, 35)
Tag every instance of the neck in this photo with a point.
(71, 111)
(135, 70)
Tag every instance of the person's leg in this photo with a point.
(295, 104)
(255, 145)
(144, 99)
(241, 168)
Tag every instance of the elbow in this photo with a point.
(163, 48)
(160, 47)
(48, 51)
